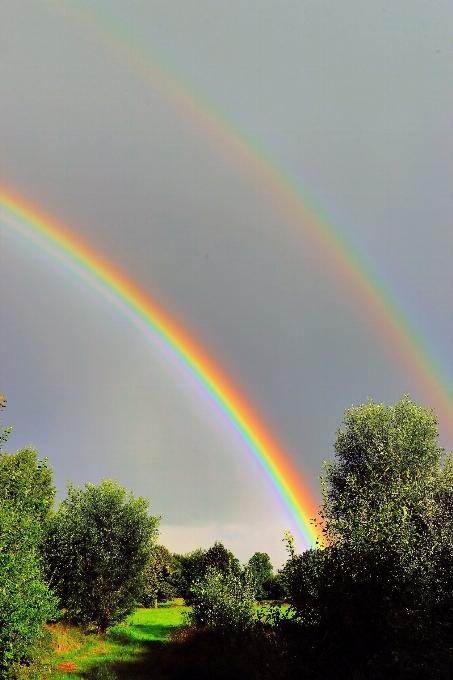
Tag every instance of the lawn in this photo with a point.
(109, 657)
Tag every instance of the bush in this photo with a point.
(222, 599)
(25, 601)
(26, 499)
(97, 549)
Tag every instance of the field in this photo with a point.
(122, 653)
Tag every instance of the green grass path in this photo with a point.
(92, 656)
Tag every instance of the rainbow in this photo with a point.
(379, 308)
(62, 245)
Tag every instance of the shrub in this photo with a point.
(25, 601)
(222, 599)
(26, 498)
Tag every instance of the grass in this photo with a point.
(86, 655)
(154, 643)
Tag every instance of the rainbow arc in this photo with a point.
(63, 246)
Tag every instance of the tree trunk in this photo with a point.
(155, 603)
(103, 623)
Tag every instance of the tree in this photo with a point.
(97, 549)
(380, 590)
(26, 496)
(382, 488)
(191, 567)
(219, 557)
(161, 576)
(261, 569)
(194, 565)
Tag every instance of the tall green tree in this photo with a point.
(380, 591)
(220, 558)
(26, 498)
(97, 550)
(191, 567)
(25, 600)
(382, 488)
(161, 576)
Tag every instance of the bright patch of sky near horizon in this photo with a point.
(355, 99)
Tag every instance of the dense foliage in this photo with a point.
(194, 566)
(162, 575)
(220, 558)
(27, 483)
(261, 569)
(26, 495)
(25, 601)
(190, 567)
(376, 601)
(223, 599)
(97, 550)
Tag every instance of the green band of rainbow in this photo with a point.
(24, 219)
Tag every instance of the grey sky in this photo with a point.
(354, 99)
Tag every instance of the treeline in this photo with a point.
(94, 560)
(374, 600)
(172, 575)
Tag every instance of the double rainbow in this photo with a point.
(379, 307)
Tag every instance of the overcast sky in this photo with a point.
(353, 100)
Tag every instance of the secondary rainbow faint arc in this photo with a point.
(379, 306)
(21, 217)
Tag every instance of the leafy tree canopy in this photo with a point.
(25, 601)
(190, 569)
(161, 576)
(26, 483)
(26, 498)
(97, 551)
(219, 557)
(379, 592)
(383, 486)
